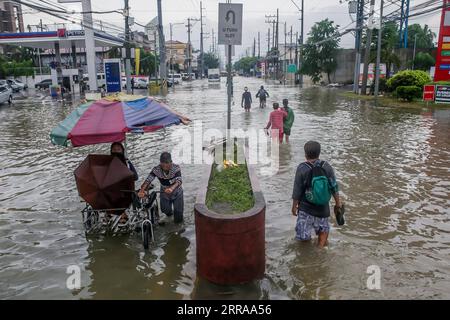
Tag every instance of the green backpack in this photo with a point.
(318, 188)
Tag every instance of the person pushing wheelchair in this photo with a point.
(169, 176)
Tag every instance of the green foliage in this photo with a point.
(408, 93)
(17, 69)
(211, 61)
(416, 78)
(423, 36)
(230, 189)
(245, 64)
(389, 41)
(423, 61)
(148, 63)
(320, 55)
(382, 85)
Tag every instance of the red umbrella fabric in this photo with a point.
(101, 180)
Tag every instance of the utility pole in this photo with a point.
(90, 43)
(189, 46)
(127, 47)
(358, 38)
(268, 41)
(377, 70)
(296, 53)
(259, 46)
(285, 53)
(270, 19)
(202, 62)
(301, 42)
(277, 45)
(162, 49)
(368, 43)
(254, 48)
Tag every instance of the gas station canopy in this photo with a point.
(65, 38)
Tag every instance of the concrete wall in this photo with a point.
(346, 63)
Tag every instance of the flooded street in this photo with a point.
(393, 167)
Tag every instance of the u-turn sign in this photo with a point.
(230, 23)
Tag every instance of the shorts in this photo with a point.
(287, 131)
(247, 106)
(305, 224)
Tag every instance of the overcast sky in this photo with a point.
(177, 11)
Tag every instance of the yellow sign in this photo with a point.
(137, 57)
(445, 46)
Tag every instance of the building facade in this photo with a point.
(11, 17)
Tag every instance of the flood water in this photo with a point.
(392, 165)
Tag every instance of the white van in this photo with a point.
(177, 79)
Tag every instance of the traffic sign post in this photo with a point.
(230, 34)
(429, 93)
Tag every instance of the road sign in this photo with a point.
(292, 68)
(428, 93)
(112, 75)
(230, 24)
(442, 94)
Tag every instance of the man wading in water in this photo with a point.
(169, 176)
(314, 185)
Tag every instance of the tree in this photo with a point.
(245, 64)
(389, 41)
(320, 50)
(148, 63)
(211, 61)
(424, 36)
(423, 61)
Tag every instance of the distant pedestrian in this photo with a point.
(262, 95)
(246, 102)
(132, 85)
(314, 185)
(289, 120)
(276, 121)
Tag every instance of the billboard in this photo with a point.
(112, 75)
(442, 70)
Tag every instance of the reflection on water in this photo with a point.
(392, 165)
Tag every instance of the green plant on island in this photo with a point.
(416, 78)
(408, 93)
(229, 189)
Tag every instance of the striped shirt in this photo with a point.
(165, 178)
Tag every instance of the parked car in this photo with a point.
(185, 76)
(140, 83)
(25, 86)
(44, 84)
(6, 94)
(177, 79)
(15, 85)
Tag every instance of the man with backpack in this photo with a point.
(314, 185)
(262, 95)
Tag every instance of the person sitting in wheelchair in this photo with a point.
(169, 176)
(118, 150)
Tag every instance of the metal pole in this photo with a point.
(377, 70)
(90, 43)
(367, 52)
(127, 48)
(162, 48)
(301, 43)
(230, 86)
(201, 42)
(405, 36)
(259, 46)
(189, 47)
(359, 23)
(414, 51)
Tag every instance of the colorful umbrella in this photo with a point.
(108, 120)
(101, 182)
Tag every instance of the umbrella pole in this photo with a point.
(125, 146)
